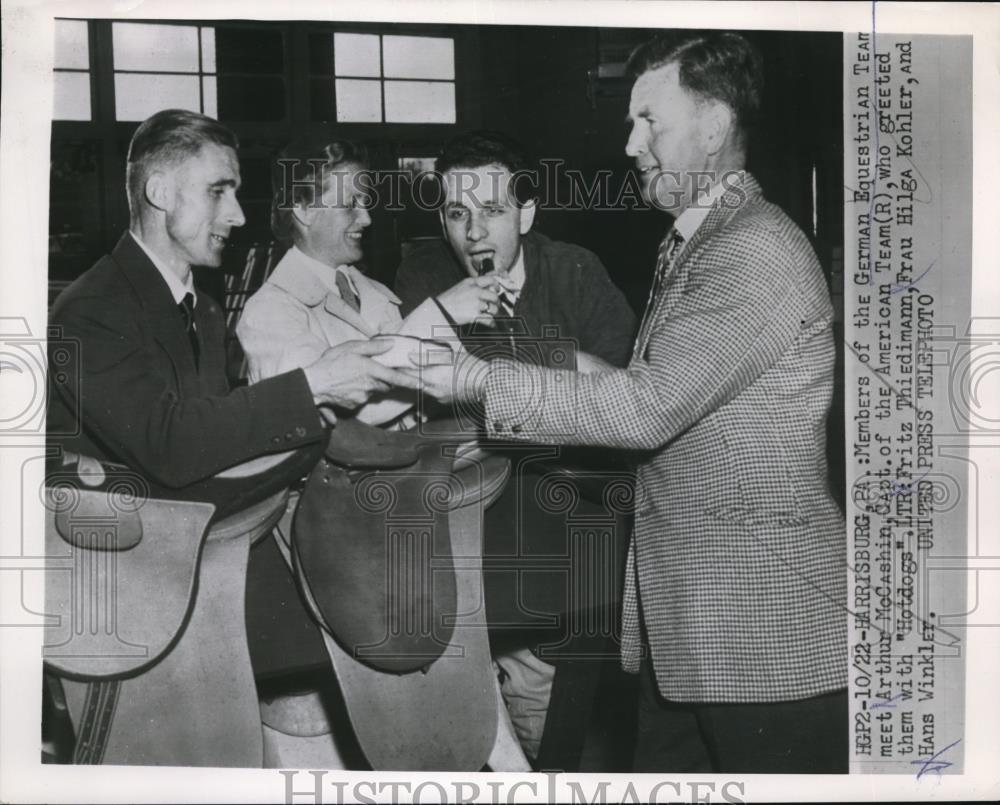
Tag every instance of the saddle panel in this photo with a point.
(196, 703)
(115, 610)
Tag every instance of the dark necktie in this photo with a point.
(347, 292)
(186, 307)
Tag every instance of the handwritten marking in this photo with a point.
(913, 283)
(890, 703)
(904, 488)
(933, 763)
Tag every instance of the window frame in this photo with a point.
(112, 136)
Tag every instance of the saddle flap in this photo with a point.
(375, 552)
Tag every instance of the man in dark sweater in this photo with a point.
(557, 289)
(557, 302)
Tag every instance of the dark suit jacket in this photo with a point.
(128, 389)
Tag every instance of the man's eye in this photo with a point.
(457, 214)
(495, 211)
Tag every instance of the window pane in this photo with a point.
(259, 51)
(71, 98)
(210, 96)
(419, 102)
(140, 46)
(251, 97)
(358, 101)
(72, 50)
(419, 57)
(208, 50)
(138, 96)
(321, 94)
(320, 54)
(356, 54)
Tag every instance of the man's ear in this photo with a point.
(159, 191)
(528, 210)
(715, 125)
(305, 214)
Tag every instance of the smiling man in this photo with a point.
(148, 388)
(735, 587)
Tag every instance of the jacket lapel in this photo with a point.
(336, 306)
(741, 193)
(294, 276)
(165, 322)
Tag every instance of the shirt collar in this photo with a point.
(178, 289)
(687, 222)
(310, 280)
(516, 275)
(322, 272)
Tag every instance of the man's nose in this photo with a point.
(363, 218)
(476, 229)
(636, 144)
(234, 214)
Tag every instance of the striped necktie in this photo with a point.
(507, 302)
(347, 292)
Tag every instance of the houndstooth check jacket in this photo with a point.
(737, 568)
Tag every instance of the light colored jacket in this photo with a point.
(298, 314)
(738, 559)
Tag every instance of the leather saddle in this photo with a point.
(374, 547)
(389, 562)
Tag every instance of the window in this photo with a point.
(163, 67)
(71, 97)
(383, 78)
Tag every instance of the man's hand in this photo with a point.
(472, 299)
(346, 376)
(461, 380)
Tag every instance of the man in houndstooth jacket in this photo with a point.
(734, 610)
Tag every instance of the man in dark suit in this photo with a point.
(734, 609)
(147, 387)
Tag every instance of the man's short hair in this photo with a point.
(299, 170)
(165, 139)
(477, 149)
(716, 65)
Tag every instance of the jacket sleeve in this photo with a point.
(735, 319)
(274, 333)
(122, 385)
